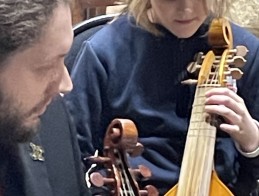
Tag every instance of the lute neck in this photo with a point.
(197, 162)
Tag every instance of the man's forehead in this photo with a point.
(58, 34)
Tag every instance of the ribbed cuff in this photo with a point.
(253, 154)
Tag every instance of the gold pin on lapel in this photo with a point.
(37, 152)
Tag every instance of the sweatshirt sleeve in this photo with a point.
(85, 101)
(248, 89)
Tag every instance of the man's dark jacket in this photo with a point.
(60, 173)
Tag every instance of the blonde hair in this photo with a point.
(139, 8)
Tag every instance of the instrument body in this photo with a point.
(197, 175)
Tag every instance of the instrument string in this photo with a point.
(126, 188)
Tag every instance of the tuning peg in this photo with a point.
(236, 73)
(98, 180)
(142, 171)
(194, 66)
(189, 82)
(198, 57)
(240, 51)
(137, 150)
(238, 61)
(98, 159)
(149, 191)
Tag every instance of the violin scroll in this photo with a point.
(121, 141)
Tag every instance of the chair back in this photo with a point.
(83, 31)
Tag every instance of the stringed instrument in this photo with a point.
(216, 69)
(121, 140)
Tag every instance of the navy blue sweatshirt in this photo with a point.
(124, 71)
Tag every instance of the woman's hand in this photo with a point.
(239, 123)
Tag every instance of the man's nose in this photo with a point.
(66, 84)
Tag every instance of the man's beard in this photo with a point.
(12, 129)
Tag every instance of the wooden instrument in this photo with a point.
(121, 140)
(197, 175)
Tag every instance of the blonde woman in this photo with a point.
(133, 69)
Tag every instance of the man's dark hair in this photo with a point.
(22, 22)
